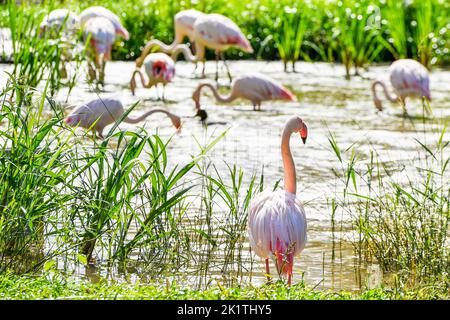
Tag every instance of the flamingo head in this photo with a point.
(176, 121)
(201, 114)
(378, 104)
(73, 120)
(301, 128)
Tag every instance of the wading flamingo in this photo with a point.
(61, 24)
(409, 79)
(99, 113)
(159, 68)
(254, 87)
(184, 26)
(277, 220)
(99, 11)
(102, 37)
(57, 19)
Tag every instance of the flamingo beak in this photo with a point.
(304, 133)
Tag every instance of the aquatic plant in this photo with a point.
(402, 221)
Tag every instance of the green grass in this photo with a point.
(352, 32)
(57, 287)
(402, 219)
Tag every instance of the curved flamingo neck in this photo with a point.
(290, 183)
(184, 49)
(148, 113)
(230, 97)
(154, 43)
(141, 76)
(386, 92)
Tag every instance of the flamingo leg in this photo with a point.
(217, 66)
(289, 278)
(203, 70)
(157, 92)
(402, 101)
(226, 66)
(269, 278)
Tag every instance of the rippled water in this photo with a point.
(327, 102)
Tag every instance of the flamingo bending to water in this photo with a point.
(409, 79)
(254, 87)
(184, 26)
(99, 113)
(99, 11)
(102, 36)
(277, 220)
(159, 67)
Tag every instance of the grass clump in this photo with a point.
(402, 221)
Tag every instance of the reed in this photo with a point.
(402, 221)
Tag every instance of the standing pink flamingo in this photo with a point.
(99, 11)
(409, 79)
(159, 68)
(277, 220)
(99, 113)
(102, 35)
(184, 26)
(254, 87)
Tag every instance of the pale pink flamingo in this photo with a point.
(97, 114)
(184, 26)
(99, 11)
(277, 220)
(61, 24)
(254, 87)
(59, 20)
(217, 32)
(409, 79)
(101, 33)
(159, 68)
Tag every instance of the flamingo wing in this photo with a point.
(258, 87)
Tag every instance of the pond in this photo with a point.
(328, 103)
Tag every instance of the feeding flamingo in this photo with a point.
(102, 36)
(254, 87)
(184, 26)
(99, 113)
(409, 79)
(277, 220)
(159, 68)
(99, 11)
